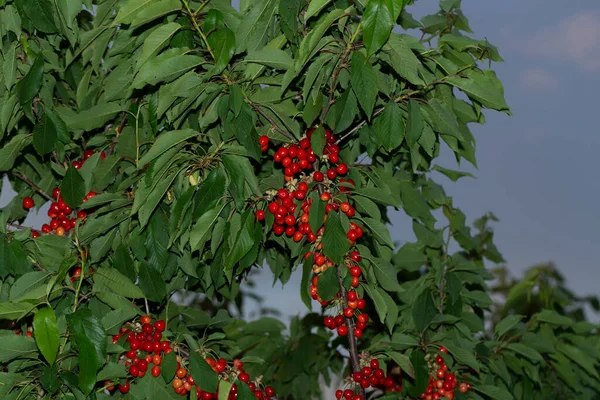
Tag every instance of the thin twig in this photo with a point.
(17, 226)
(352, 347)
(32, 185)
(147, 307)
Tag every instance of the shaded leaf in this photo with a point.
(45, 330)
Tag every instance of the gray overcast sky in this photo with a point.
(537, 170)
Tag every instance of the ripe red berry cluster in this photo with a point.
(147, 349)
(298, 162)
(442, 384)
(373, 376)
(62, 217)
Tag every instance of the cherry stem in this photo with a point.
(352, 347)
(32, 185)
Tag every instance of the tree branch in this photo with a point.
(32, 185)
(352, 347)
(17, 227)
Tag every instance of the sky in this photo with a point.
(537, 169)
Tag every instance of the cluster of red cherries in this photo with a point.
(303, 170)
(298, 162)
(62, 217)
(442, 383)
(146, 349)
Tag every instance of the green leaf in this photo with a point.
(240, 242)
(494, 392)
(401, 341)
(390, 127)
(364, 82)
(14, 311)
(169, 366)
(31, 83)
(552, 317)
(481, 86)
(93, 117)
(507, 324)
(72, 188)
(344, 111)
(379, 231)
(377, 25)
(16, 346)
(402, 59)
(222, 43)
(452, 175)
(526, 351)
(317, 212)
(152, 284)
(45, 330)
(166, 141)
(10, 151)
(386, 275)
(224, 389)
(328, 286)
(157, 41)
(166, 67)
(25, 285)
(130, 9)
(113, 320)
(44, 136)
(423, 310)
(245, 132)
(41, 14)
(201, 230)
(378, 300)
(111, 280)
(419, 364)
(274, 58)
(91, 345)
(464, 356)
(253, 30)
(318, 141)
(9, 67)
(404, 363)
(112, 371)
(203, 374)
(335, 242)
(312, 39)
(414, 123)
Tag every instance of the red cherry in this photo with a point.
(374, 363)
(342, 330)
(28, 203)
(331, 174)
(341, 169)
(318, 176)
(124, 388)
(355, 271)
(87, 154)
(260, 215)
(155, 371)
(77, 165)
(160, 325)
(56, 192)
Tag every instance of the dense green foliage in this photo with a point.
(165, 101)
